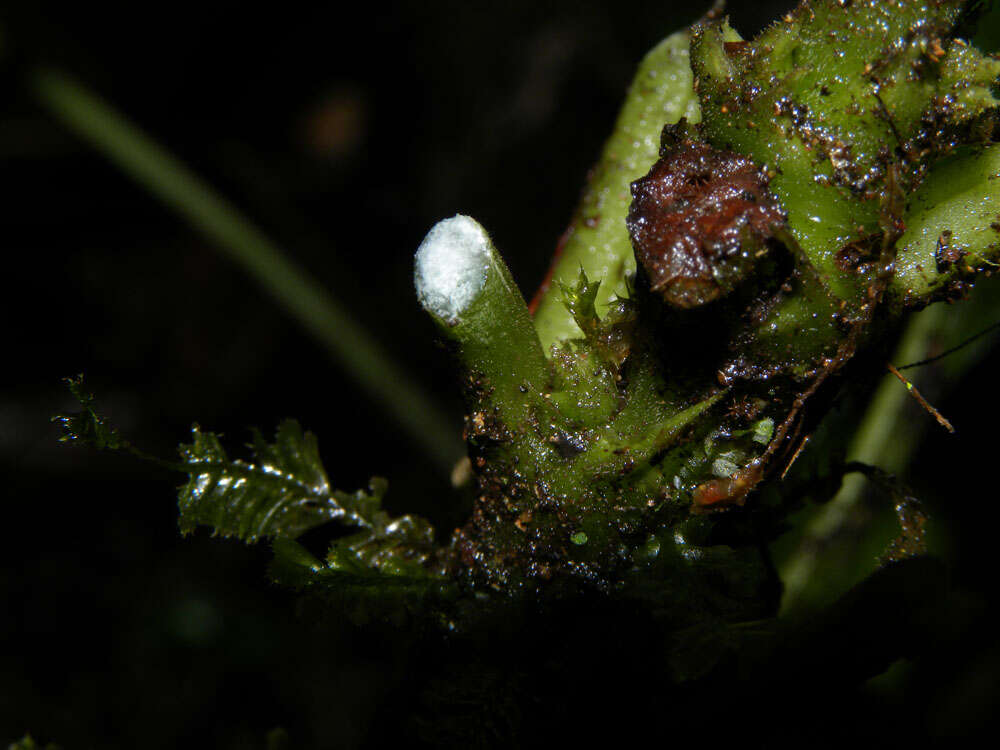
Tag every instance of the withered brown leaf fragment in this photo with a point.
(699, 220)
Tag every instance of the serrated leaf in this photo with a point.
(580, 301)
(385, 569)
(283, 491)
(280, 493)
(389, 590)
(611, 338)
(86, 427)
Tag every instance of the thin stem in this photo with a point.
(951, 350)
(928, 407)
(149, 164)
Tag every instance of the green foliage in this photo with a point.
(87, 427)
(282, 493)
(366, 578)
(870, 120)
(656, 414)
(27, 743)
(596, 240)
(826, 129)
(609, 470)
(952, 226)
(580, 302)
(610, 339)
(847, 106)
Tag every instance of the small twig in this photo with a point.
(922, 401)
(795, 456)
(952, 350)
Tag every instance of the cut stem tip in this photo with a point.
(451, 266)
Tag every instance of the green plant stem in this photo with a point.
(495, 340)
(955, 208)
(136, 154)
(873, 444)
(597, 240)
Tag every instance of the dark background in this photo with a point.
(345, 136)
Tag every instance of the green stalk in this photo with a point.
(463, 283)
(149, 164)
(952, 227)
(598, 241)
(874, 444)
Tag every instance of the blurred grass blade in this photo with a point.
(174, 184)
(887, 438)
(877, 442)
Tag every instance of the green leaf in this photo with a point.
(27, 743)
(386, 569)
(86, 427)
(966, 83)
(847, 105)
(280, 493)
(390, 584)
(610, 338)
(597, 241)
(579, 300)
(956, 209)
(283, 491)
(763, 431)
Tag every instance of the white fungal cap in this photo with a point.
(451, 266)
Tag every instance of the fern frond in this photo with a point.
(281, 492)
(284, 491)
(394, 586)
(87, 427)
